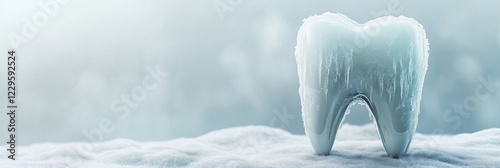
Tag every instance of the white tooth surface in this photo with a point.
(382, 63)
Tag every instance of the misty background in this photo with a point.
(228, 69)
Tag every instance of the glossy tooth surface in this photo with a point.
(381, 63)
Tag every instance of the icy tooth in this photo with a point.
(382, 62)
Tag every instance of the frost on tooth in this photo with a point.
(386, 74)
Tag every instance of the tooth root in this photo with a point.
(392, 123)
(393, 129)
(322, 125)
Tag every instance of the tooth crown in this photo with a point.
(381, 63)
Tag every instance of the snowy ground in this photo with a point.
(259, 146)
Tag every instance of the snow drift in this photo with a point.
(260, 146)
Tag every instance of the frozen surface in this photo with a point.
(381, 63)
(259, 146)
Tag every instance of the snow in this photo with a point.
(381, 63)
(260, 146)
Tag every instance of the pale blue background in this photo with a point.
(222, 73)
